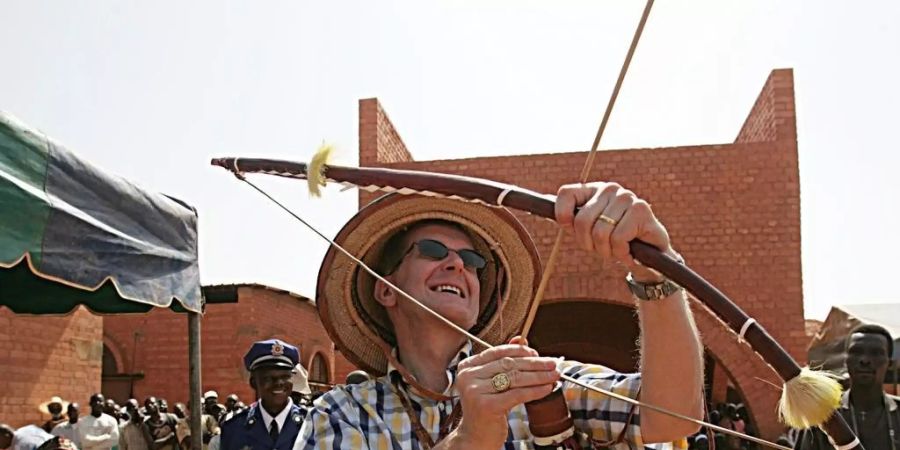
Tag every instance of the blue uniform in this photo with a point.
(246, 430)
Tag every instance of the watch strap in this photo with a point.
(651, 291)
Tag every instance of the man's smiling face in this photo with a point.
(273, 386)
(446, 285)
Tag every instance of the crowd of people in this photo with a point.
(147, 425)
(151, 424)
(435, 389)
(727, 415)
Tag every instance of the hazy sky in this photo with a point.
(152, 90)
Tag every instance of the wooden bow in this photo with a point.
(495, 194)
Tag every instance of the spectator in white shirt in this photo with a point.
(29, 437)
(69, 428)
(98, 431)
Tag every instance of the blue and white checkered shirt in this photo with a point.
(371, 415)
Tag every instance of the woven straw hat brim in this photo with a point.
(45, 407)
(359, 325)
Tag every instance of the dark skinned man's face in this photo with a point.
(273, 386)
(867, 359)
(97, 404)
(72, 412)
(110, 407)
(55, 409)
(5, 440)
(179, 411)
(151, 405)
(209, 404)
(132, 407)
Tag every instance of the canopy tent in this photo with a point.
(827, 348)
(73, 235)
(65, 224)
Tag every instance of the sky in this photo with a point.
(152, 90)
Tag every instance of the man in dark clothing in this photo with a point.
(160, 427)
(872, 414)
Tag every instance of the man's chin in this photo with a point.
(459, 315)
(864, 378)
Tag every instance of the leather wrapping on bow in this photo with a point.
(492, 193)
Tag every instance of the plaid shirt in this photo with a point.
(371, 415)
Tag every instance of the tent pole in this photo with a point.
(194, 371)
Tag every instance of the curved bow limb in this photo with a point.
(496, 194)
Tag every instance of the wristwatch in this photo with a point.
(651, 291)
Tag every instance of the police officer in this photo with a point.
(272, 423)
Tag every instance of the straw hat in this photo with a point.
(45, 407)
(359, 325)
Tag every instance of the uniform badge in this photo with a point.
(277, 349)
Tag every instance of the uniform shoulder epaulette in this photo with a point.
(233, 418)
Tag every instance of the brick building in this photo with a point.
(147, 354)
(733, 211)
(43, 356)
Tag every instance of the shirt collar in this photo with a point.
(464, 352)
(280, 418)
(845, 401)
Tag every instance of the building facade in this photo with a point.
(146, 354)
(733, 211)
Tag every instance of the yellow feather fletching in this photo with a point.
(315, 172)
(809, 399)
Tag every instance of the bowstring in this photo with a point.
(486, 345)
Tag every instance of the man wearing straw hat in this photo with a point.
(477, 267)
(53, 407)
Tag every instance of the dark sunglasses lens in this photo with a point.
(472, 259)
(437, 250)
(433, 249)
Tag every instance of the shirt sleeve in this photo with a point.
(113, 432)
(609, 421)
(330, 428)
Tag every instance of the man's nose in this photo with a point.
(454, 262)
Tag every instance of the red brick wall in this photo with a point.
(379, 142)
(227, 331)
(773, 116)
(42, 356)
(733, 210)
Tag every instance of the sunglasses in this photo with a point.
(437, 251)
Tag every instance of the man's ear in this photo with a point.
(384, 294)
(253, 382)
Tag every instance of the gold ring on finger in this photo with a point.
(500, 382)
(608, 220)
